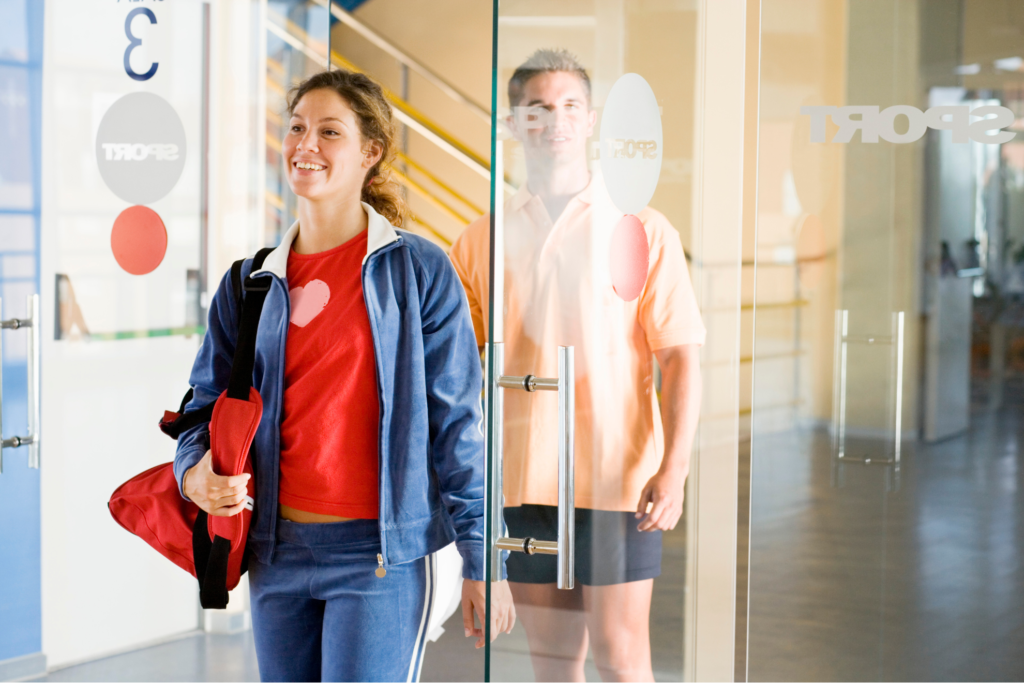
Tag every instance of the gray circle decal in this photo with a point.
(631, 144)
(140, 148)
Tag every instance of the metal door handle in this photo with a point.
(565, 385)
(32, 324)
(843, 339)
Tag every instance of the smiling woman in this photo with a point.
(337, 115)
(374, 460)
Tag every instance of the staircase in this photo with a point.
(446, 179)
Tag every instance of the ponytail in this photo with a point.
(383, 194)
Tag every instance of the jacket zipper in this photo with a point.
(380, 403)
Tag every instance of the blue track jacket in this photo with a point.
(428, 375)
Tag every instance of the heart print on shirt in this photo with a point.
(308, 301)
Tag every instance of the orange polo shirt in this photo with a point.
(558, 291)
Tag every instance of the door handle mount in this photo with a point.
(565, 385)
(31, 325)
(528, 545)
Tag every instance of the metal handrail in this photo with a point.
(436, 202)
(296, 38)
(403, 179)
(431, 229)
(277, 120)
(406, 59)
(440, 183)
(404, 112)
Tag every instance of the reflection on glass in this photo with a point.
(891, 325)
(296, 49)
(14, 37)
(16, 162)
(579, 271)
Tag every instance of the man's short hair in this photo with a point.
(545, 61)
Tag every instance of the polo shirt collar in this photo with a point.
(524, 196)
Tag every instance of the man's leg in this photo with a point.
(556, 629)
(618, 621)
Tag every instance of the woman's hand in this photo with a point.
(218, 496)
(503, 612)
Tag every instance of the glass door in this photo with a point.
(589, 319)
(884, 500)
(128, 187)
(20, 204)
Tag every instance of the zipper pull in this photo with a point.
(380, 570)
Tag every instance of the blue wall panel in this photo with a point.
(21, 53)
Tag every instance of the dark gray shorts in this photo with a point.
(609, 549)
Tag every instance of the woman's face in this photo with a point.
(324, 150)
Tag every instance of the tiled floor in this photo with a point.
(205, 657)
(193, 657)
(921, 583)
(853, 583)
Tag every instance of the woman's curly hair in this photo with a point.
(366, 99)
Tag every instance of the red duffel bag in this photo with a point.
(149, 505)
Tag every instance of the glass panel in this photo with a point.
(596, 106)
(443, 162)
(17, 168)
(14, 38)
(135, 114)
(20, 78)
(886, 302)
(297, 33)
(127, 209)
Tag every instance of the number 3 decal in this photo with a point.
(135, 42)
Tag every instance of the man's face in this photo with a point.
(553, 118)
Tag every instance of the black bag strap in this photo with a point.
(255, 290)
(185, 421)
(211, 557)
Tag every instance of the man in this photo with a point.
(630, 472)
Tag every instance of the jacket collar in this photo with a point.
(380, 233)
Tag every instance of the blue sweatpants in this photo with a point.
(320, 613)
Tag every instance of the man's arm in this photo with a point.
(680, 411)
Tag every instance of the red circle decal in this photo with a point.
(629, 257)
(138, 240)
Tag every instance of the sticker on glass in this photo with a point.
(140, 148)
(631, 145)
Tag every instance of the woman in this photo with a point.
(369, 456)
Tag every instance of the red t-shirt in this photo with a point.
(331, 414)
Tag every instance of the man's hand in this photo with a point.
(503, 612)
(664, 492)
(680, 410)
(218, 496)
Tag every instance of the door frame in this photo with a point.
(725, 192)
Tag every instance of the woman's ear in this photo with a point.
(372, 152)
